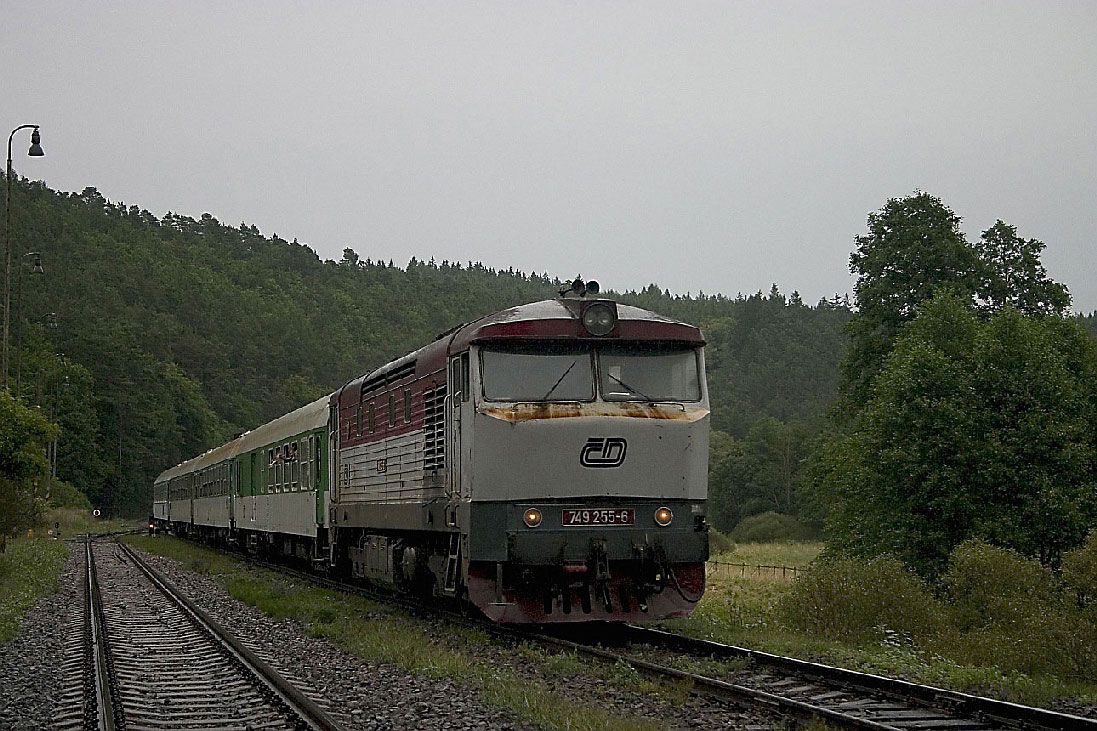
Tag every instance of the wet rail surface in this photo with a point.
(154, 660)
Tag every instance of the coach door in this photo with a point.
(234, 490)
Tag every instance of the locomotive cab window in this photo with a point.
(648, 372)
(465, 377)
(541, 372)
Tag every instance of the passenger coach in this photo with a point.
(545, 463)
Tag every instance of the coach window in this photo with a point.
(306, 458)
(295, 465)
(371, 414)
(407, 405)
(270, 470)
(280, 467)
(392, 409)
(286, 469)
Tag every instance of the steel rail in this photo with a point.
(1000, 711)
(715, 688)
(105, 710)
(290, 696)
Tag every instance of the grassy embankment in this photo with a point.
(767, 612)
(384, 635)
(31, 566)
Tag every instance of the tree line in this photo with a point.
(953, 398)
(148, 340)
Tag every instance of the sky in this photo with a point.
(715, 147)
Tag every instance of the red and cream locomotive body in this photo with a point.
(546, 463)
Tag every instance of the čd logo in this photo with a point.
(603, 452)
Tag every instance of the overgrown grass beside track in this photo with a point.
(29, 569)
(382, 634)
(1002, 627)
(31, 566)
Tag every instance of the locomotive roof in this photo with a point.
(310, 416)
(635, 323)
(549, 319)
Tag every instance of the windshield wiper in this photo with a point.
(631, 389)
(560, 380)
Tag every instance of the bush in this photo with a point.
(771, 528)
(990, 585)
(850, 600)
(65, 495)
(1013, 614)
(1080, 574)
(719, 543)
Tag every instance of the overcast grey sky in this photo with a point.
(718, 147)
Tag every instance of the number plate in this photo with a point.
(598, 516)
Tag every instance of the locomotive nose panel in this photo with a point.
(571, 450)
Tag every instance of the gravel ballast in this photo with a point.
(37, 679)
(42, 682)
(367, 695)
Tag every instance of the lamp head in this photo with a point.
(35, 144)
(36, 264)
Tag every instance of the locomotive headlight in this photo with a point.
(599, 319)
(532, 517)
(663, 516)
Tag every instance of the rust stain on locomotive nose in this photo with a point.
(626, 409)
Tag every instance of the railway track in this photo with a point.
(820, 678)
(793, 689)
(805, 690)
(152, 659)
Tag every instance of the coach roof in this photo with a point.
(309, 416)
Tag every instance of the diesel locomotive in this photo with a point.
(545, 463)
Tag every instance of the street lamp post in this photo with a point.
(36, 268)
(35, 151)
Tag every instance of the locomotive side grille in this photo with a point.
(434, 429)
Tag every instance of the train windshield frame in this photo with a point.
(650, 372)
(583, 372)
(538, 372)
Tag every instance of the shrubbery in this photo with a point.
(1080, 575)
(770, 528)
(719, 543)
(856, 601)
(993, 608)
(65, 495)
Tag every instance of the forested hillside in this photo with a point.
(149, 340)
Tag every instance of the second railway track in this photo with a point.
(155, 660)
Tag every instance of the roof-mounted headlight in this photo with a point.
(599, 318)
